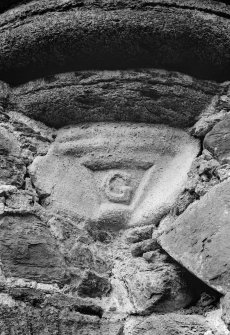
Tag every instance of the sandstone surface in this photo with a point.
(114, 167)
(218, 139)
(132, 179)
(153, 96)
(199, 238)
(167, 324)
(225, 304)
(41, 38)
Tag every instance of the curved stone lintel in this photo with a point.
(38, 39)
(152, 96)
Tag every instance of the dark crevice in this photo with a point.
(89, 310)
(23, 75)
(8, 4)
(38, 300)
(205, 297)
(42, 199)
(26, 175)
(121, 331)
(31, 328)
(208, 300)
(35, 299)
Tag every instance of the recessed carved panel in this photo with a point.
(124, 174)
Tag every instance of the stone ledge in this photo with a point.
(40, 40)
(153, 96)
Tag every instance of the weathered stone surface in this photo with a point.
(61, 318)
(80, 213)
(199, 238)
(153, 96)
(214, 321)
(42, 38)
(145, 246)
(94, 286)
(12, 166)
(143, 288)
(205, 173)
(25, 320)
(29, 251)
(4, 94)
(139, 234)
(225, 306)
(130, 179)
(85, 257)
(145, 285)
(167, 324)
(217, 141)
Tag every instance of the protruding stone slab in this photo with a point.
(152, 96)
(199, 238)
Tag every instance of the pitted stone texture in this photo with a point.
(12, 166)
(153, 96)
(205, 173)
(169, 324)
(41, 5)
(50, 320)
(91, 169)
(217, 141)
(143, 287)
(4, 94)
(27, 310)
(34, 137)
(28, 250)
(42, 38)
(225, 306)
(199, 238)
(94, 286)
(12, 170)
(214, 321)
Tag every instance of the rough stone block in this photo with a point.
(28, 250)
(217, 141)
(199, 238)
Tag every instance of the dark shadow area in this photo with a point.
(205, 297)
(15, 77)
(7, 4)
